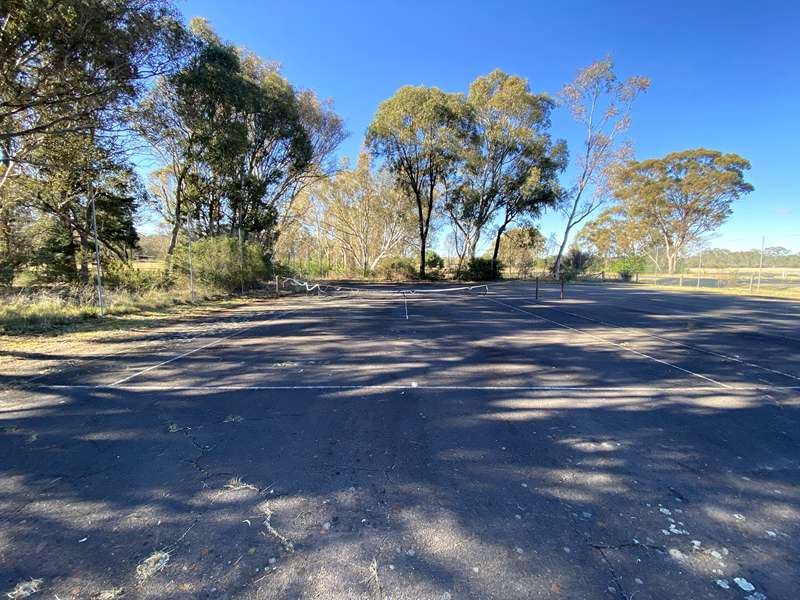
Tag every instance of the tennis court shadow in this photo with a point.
(500, 493)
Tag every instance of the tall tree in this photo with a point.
(602, 104)
(418, 133)
(364, 213)
(509, 137)
(68, 66)
(64, 192)
(522, 247)
(682, 196)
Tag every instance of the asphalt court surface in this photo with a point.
(619, 443)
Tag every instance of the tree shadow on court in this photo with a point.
(278, 493)
(562, 494)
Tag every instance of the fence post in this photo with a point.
(537, 288)
(752, 275)
(680, 280)
(562, 288)
(277, 288)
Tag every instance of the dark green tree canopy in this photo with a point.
(682, 196)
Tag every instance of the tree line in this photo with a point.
(93, 87)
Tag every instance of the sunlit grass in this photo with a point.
(45, 310)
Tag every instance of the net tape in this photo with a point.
(321, 289)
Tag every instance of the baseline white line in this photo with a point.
(389, 387)
(602, 339)
(213, 342)
(677, 343)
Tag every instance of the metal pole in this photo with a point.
(277, 287)
(562, 288)
(760, 264)
(97, 251)
(700, 268)
(537, 288)
(241, 259)
(190, 235)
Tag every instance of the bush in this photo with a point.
(480, 269)
(628, 266)
(397, 269)
(124, 276)
(433, 260)
(216, 263)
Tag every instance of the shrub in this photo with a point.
(628, 266)
(480, 269)
(433, 260)
(216, 262)
(397, 269)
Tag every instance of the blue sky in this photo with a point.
(725, 75)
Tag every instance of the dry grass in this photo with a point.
(152, 564)
(24, 589)
(53, 309)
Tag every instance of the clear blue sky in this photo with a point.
(725, 75)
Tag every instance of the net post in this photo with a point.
(562, 287)
(277, 287)
(537, 287)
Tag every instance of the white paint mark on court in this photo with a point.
(404, 387)
(213, 342)
(681, 344)
(607, 341)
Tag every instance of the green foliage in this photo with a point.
(508, 165)
(397, 269)
(577, 260)
(680, 197)
(483, 269)
(433, 260)
(418, 133)
(629, 266)
(216, 262)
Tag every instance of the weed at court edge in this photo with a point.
(24, 589)
(237, 483)
(152, 564)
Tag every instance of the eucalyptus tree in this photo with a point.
(509, 137)
(364, 214)
(83, 174)
(679, 198)
(601, 104)
(69, 66)
(236, 139)
(419, 133)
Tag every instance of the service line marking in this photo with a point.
(422, 387)
(213, 342)
(607, 341)
(677, 343)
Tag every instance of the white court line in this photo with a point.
(213, 342)
(677, 343)
(391, 387)
(602, 339)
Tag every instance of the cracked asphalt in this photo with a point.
(621, 443)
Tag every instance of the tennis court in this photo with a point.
(419, 442)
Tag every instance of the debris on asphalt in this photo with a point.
(152, 564)
(744, 584)
(109, 594)
(24, 589)
(723, 583)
